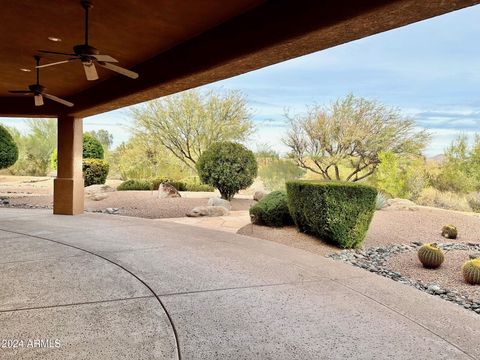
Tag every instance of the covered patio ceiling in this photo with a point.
(177, 45)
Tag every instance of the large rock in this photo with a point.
(400, 204)
(98, 197)
(207, 211)
(259, 195)
(98, 192)
(220, 202)
(167, 191)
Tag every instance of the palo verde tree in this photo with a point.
(344, 141)
(188, 123)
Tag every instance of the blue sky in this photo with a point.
(430, 70)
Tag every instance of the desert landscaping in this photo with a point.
(389, 249)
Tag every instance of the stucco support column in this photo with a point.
(68, 186)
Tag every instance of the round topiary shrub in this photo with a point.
(8, 149)
(271, 210)
(230, 167)
(92, 148)
(95, 171)
(431, 256)
(337, 212)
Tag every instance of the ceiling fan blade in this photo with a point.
(38, 100)
(90, 71)
(105, 58)
(57, 99)
(119, 70)
(55, 53)
(19, 91)
(54, 63)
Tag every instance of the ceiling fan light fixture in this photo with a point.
(38, 99)
(38, 90)
(89, 55)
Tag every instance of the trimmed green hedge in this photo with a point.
(8, 149)
(272, 210)
(139, 184)
(179, 185)
(92, 148)
(199, 187)
(337, 212)
(135, 185)
(95, 171)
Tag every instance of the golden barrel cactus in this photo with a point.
(449, 232)
(471, 271)
(431, 256)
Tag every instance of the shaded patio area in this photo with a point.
(114, 287)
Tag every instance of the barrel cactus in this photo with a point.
(449, 232)
(431, 256)
(471, 271)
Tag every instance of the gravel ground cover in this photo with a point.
(387, 228)
(390, 249)
(400, 263)
(144, 204)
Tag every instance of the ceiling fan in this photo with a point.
(38, 90)
(89, 55)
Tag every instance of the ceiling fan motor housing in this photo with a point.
(36, 88)
(85, 50)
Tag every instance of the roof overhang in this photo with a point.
(261, 34)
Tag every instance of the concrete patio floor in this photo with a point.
(112, 287)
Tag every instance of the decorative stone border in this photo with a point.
(375, 259)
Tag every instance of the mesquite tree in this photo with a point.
(344, 141)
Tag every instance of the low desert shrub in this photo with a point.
(443, 199)
(272, 210)
(381, 201)
(473, 200)
(95, 171)
(337, 212)
(228, 166)
(135, 184)
(199, 187)
(179, 185)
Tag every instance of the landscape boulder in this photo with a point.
(219, 202)
(167, 191)
(211, 211)
(98, 192)
(259, 195)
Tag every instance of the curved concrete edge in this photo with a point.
(223, 322)
(124, 329)
(73, 296)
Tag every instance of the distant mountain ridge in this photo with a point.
(440, 158)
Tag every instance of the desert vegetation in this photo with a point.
(353, 139)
